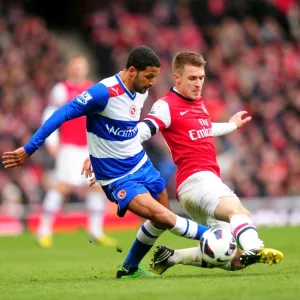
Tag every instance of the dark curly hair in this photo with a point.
(141, 58)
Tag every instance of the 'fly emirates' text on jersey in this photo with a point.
(187, 130)
(112, 113)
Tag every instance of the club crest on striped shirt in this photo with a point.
(121, 194)
(132, 111)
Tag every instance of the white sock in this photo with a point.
(193, 257)
(245, 232)
(51, 205)
(189, 256)
(148, 234)
(95, 204)
(188, 228)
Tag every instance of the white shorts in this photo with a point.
(199, 196)
(69, 164)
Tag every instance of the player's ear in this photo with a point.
(132, 72)
(176, 77)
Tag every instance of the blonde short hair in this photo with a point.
(187, 58)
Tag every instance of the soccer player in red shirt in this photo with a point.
(186, 126)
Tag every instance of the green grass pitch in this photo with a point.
(77, 269)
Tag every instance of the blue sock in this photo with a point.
(188, 228)
(136, 253)
(145, 239)
(200, 231)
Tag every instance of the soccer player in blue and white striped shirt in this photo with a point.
(112, 108)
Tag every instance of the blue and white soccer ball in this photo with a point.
(218, 246)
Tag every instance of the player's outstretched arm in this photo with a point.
(15, 158)
(94, 100)
(235, 122)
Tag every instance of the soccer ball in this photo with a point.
(217, 246)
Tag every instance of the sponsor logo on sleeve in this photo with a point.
(84, 98)
(154, 110)
(116, 90)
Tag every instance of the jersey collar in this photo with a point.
(173, 90)
(129, 94)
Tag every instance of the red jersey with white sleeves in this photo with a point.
(187, 130)
(62, 93)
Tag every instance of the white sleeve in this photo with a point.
(57, 98)
(158, 119)
(58, 95)
(160, 115)
(222, 128)
(144, 131)
(53, 138)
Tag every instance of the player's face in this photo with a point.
(144, 80)
(190, 82)
(78, 68)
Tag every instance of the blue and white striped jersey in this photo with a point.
(112, 115)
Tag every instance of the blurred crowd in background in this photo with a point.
(253, 64)
(31, 64)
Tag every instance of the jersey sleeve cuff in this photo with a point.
(29, 149)
(232, 126)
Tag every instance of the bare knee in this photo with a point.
(228, 207)
(146, 207)
(239, 210)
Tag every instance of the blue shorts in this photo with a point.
(146, 180)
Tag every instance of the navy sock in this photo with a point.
(136, 253)
(145, 239)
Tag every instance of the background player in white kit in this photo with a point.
(68, 146)
(185, 124)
